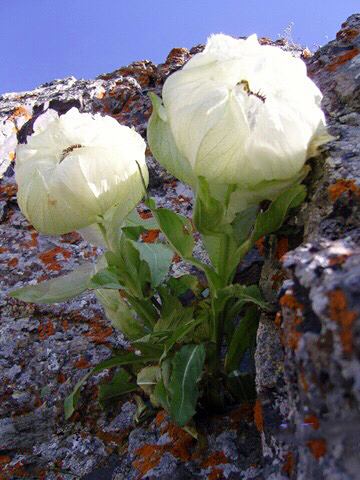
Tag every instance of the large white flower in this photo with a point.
(77, 170)
(238, 113)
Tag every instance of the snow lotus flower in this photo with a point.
(241, 114)
(77, 170)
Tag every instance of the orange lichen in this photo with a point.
(46, 330)
(9, 190)
(243, 412)
(99, 329)
(260, 244)
(346, 35)
(312, 420)
(81, 364)
(291, 336)
(160, 417)
(288, 466)
(343, 317)
(181, 446)
(149, 458)
(214, 459)
(176, 258)
(51, 260)
(342, 59)
(304, 382)
(145, 215)
(317, 447)
(258, 416)
(19, 112)
(12, 263)
(343, 187)
(216, 474)
(150, 236)
(281, 248)
(3, 249)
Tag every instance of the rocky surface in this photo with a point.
(305, 421)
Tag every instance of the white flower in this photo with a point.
(239, 114)
(77, 170)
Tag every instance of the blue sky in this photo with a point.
(46, 39)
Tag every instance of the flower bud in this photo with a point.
(240, 114)
(77, 169)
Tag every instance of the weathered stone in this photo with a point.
(307, 362)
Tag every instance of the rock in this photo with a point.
(305, 421)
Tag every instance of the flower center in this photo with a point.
(246, 87)
(66, 151)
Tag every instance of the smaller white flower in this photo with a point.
(77, 169)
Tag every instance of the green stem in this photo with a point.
(103, 232)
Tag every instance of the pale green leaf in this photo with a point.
(58, 289)
(162, 144)
(158, 257)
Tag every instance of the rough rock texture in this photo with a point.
(308, 393)
(305, 422)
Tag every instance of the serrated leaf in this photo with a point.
(162, 144)
(58, 289)
(158, 257)
(187, 371)
(272, 219)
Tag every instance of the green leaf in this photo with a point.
(243, 294)
(120, 314)
(209, 213)
(71, 400)
(179, 285)
(181, 331)
(135, 220)
(111, 391)
(158, 257)
(106, 278)
(161, 395)
(162, 144)
(187, 371)
(172, 225)
(58, 289)
(133, 233)
(243, 223)
(173, 314)
(147, 348)
(272, 219)
(148, 378)
(242, 338)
